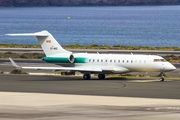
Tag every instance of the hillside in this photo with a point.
(31, 3)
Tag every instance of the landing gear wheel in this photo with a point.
(161, 79)
(101, 76)
(87, 76)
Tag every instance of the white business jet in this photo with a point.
(88, 64)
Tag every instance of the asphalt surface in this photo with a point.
(124, 87)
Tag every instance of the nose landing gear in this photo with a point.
(161, 79)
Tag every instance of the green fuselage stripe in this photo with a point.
(64, 60)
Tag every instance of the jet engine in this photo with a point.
(62, 58)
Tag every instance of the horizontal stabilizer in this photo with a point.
(42, 33)
(49, 45)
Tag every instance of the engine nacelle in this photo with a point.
(63, 58)
(71, 58)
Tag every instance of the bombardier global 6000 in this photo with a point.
(88, 64)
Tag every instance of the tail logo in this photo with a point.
(48, 41)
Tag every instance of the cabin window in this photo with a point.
(144, 61)
(118, 61)
(131, 61)
(135, 61)
(98, 60)
(123, 61)
(127, 61)
(102, 60)
(89, 60)
(93, 60)
(106, 60)
(110, 60)
(139, 61)
(114, 61)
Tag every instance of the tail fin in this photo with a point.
(49, 45)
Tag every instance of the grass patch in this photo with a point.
(17, 71)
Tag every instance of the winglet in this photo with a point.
(14, 64)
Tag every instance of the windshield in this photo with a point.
(160, 60)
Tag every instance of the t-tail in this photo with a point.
(49, 45)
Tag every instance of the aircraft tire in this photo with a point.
(101, 76)
(87, 76)
(161, 79)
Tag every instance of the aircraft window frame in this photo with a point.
(163, 60)
(123, 61)
(101, 60)
(127, 61)
(114, 61)
(156, 60)
(93, 60)
(131, 61)
(89, 60)
(119, 61)
(97, 60)
(159, 60)
(144, 61)
(110, 60)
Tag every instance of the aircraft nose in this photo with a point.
(173, 67)
(170, 67)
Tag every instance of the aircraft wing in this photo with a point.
(64, 68)
(82, 69)
(57, 68)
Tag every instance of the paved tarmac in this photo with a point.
(41, 106)
(72, 98)
(124, 87)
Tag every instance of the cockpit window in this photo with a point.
(156, 60)
(163, 60)
(159, 60)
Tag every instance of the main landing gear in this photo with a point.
(161, 79)
(101, 76)
(88, 76)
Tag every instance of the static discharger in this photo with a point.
(68, 18)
